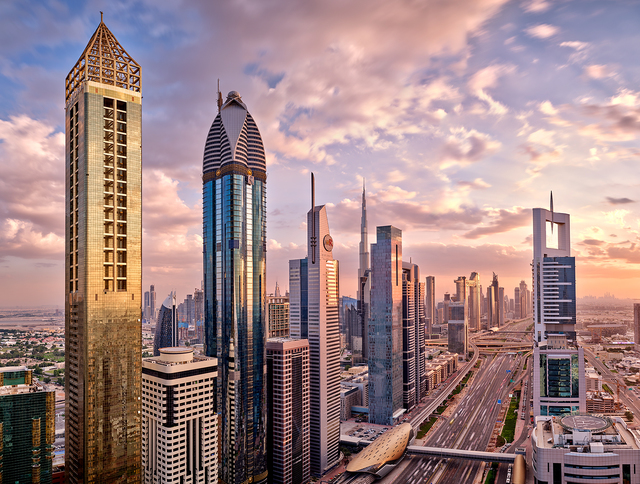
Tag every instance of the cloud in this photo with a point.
(503, 221)
(478, 183)
(629, 254)
(32, 188)
(488, 78)
(619, 201)
(575, 45)
(547, 108)
(466, 146)
(536, 6)
(542, 31)
(599, 71)
(593, 242)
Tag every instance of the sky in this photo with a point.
(462, 115)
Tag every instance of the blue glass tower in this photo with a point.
(234, 232)
(166, 326)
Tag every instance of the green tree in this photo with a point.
(629, 415)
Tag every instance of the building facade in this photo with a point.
(458, 333)
(289, 410)
(103, 289)
(636, 324)
(278, 316)
(179, 422)
(234, 227)
(385, 328)
(27, 427)
(299, 298)
(413, 329)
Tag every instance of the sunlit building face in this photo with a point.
(103, 292)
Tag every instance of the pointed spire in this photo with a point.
(105, 61)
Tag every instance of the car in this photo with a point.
(358, 420)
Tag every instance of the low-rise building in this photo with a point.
(584, 448)
(600, 402)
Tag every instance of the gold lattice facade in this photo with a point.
(103, 266)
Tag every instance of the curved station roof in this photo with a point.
(387, 449)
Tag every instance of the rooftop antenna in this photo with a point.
(551, 203)
(219, 97)
(101, 17)
(313, 219)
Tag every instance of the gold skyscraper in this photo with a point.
(103, 115)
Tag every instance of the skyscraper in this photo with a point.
(461, 289)
(364, 276)
(234, 226)
(558, 370)
(458, 328)
(103, 114)
(430, 303)
(501, 305)
(474, 301)
(299, 298)
(166, 326)
(494, 305)
(152, 301)
(385, 328)
(288, 395)
(322, 331)
(413, 329)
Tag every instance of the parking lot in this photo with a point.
(362, 430)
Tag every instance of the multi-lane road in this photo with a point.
(468, 427)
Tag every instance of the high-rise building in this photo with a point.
(494, 304)
(501, 305)
(636, 323)
(27, 427)
(152, 301)
(322, 331)
(413, 329)
(278, 316)
(364, 277)
(299, 298)
(179, 422)
(166, 325)
(146, 312)
(430, 303)
(103, 332)
(525, 300)
(288, 396)
(198, 304)
(458, 329)
(461, 289)
(474, 301)
(385, 328)
(234, 225)
(558, 370)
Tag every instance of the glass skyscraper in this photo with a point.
(385, 328)
(234, 232)
(103, 290)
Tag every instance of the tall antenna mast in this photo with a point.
(313, 219)
(551, 207)
(219, 97)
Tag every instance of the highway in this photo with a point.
(469, 427)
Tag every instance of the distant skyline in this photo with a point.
(461, 115)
